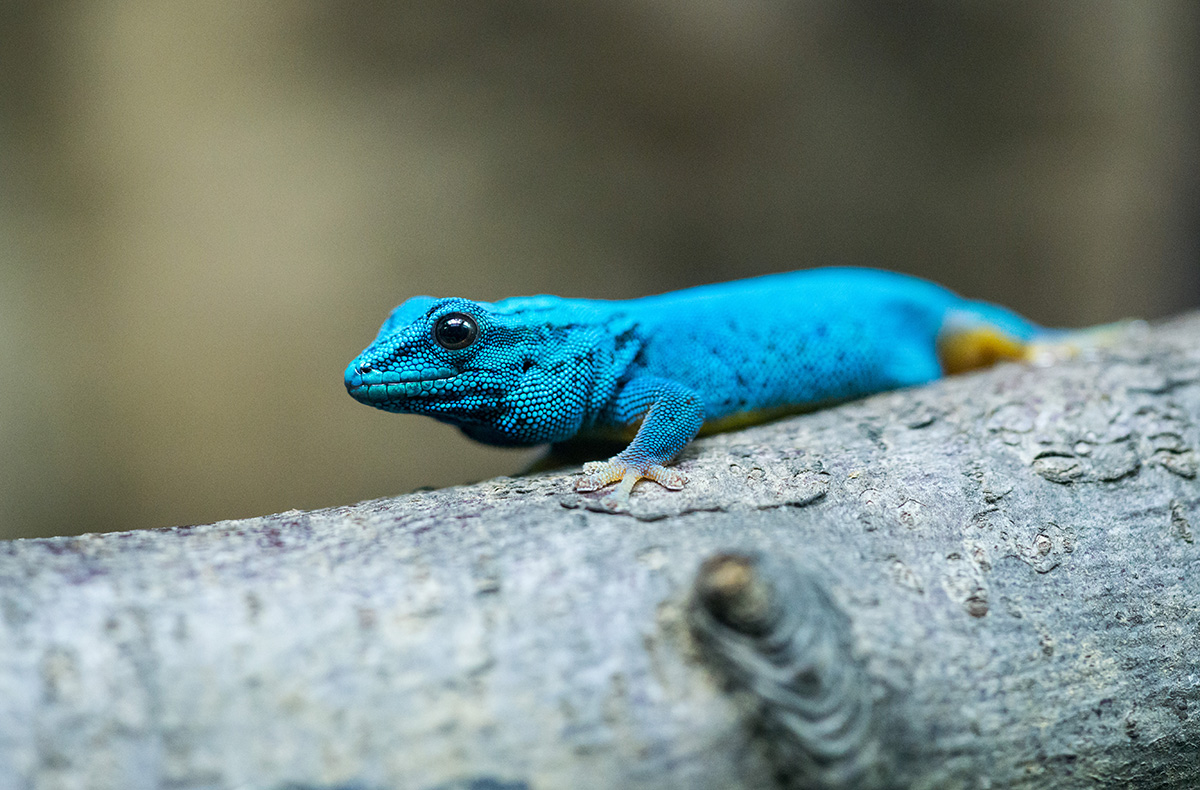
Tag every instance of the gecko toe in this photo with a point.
(667, 478)
(598, 474)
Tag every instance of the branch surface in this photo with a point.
(988, 582)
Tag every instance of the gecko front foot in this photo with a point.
(598, 474)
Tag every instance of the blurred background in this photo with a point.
(208, 207)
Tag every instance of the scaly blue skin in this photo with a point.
(544, 369)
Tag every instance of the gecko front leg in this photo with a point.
(671, 415)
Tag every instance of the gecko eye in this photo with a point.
(455, 330)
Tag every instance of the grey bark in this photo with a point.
(988, 582)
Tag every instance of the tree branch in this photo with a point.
(988, 582)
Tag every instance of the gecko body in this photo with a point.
(545, 369)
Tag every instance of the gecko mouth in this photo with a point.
(375, 387)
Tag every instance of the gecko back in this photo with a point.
(790, 340)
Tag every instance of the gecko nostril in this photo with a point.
(365, 367)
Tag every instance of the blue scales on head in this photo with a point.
(541, 369)
(524, 371)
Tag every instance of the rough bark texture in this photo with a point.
(989, 582)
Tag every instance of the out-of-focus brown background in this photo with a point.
(207, 208)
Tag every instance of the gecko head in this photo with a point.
(421, 360)
(459, 361)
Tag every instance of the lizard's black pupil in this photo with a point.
(455, 330)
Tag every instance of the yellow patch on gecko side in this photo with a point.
(977, 347)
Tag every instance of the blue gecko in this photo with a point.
(545, 369)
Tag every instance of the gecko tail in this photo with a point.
(1052, 346)
(980, 335)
